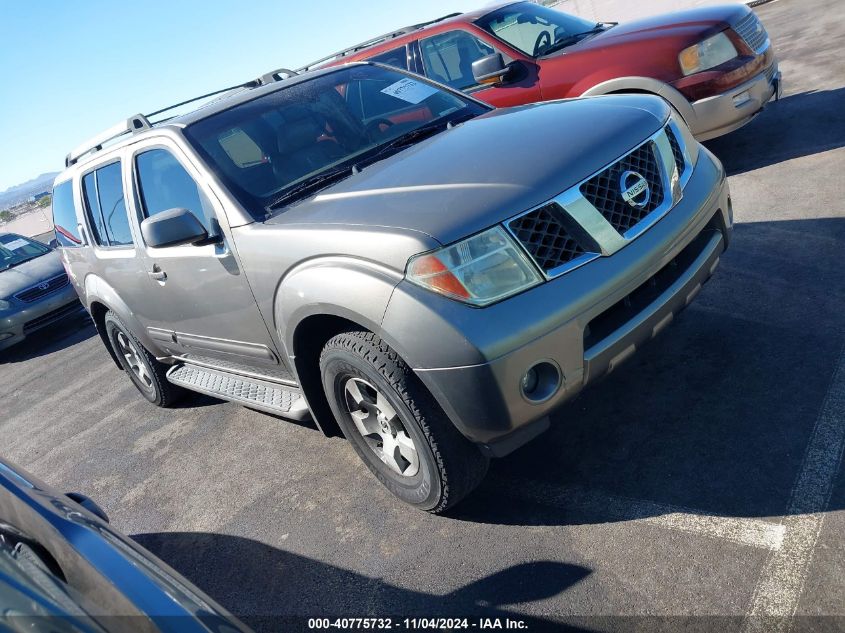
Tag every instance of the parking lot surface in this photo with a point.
(702, 478)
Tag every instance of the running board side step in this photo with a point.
(251, 392)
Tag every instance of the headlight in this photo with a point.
(707, 54)
(4, 305)
(479, 270)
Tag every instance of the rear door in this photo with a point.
(113, 254)
(199, 302)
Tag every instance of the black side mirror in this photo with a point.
(173, 228)
(490, 69)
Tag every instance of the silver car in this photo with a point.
(391, 258)
(34, 288)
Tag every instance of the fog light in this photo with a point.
(742, 98)
(540, 382)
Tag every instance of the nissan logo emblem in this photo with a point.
(634, 188)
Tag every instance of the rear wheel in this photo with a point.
(395, 425)
(146, 373)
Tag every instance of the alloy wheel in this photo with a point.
(378, 423)
(133, 359)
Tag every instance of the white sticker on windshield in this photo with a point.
(15, 244)
(409, 90)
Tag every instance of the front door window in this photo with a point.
(448, 57)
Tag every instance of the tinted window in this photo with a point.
(64, 216)
(102, 190)
(448, 57)
(92, 206)
(164, 184)
(398, 57)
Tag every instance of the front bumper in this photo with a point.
(585, 322)
(26, 318)
(723, 113)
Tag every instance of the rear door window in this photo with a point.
(102, 192)
(65, 222)
(397, 57)
(448, 57)
(163, 184)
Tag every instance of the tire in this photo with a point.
(447, 466)
(146, 373)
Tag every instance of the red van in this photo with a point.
(715, 65)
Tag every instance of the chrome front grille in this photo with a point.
(677, 154)
(545, 238)
(604, 190)
(44, 288)
(592, 219)
(753, 33)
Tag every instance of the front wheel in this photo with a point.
(146, 373)
(395, 425)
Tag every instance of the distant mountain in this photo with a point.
(20, 193)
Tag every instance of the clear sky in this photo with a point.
(72, 68)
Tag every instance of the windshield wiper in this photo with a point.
(576, 37)
(325, 178)
(412, 136)
(18, 263)
(312, 184)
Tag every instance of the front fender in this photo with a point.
(643, 84)
(346, 287)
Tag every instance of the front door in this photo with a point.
(447, 57)
(200, 304)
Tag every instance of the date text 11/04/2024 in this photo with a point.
(417, 623)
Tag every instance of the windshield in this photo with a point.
(533, 29)
(321, 129)
(16, 249)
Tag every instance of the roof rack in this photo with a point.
(280, 74)
(140, 122)
(376, 40)
(129, 126)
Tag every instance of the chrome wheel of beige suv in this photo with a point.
(394, 424)
(145, 372)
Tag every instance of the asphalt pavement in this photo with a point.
(701, 479)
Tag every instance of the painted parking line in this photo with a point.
(580, 501)
(782, 579)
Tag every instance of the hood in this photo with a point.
(484, 171)
(689, 26)
(30, 273)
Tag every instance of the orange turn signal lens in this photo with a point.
(437, 276)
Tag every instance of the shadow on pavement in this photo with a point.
(272, 590)
(797, 125)
(54, 337)
(715, 414)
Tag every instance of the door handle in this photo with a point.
(157, 273)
